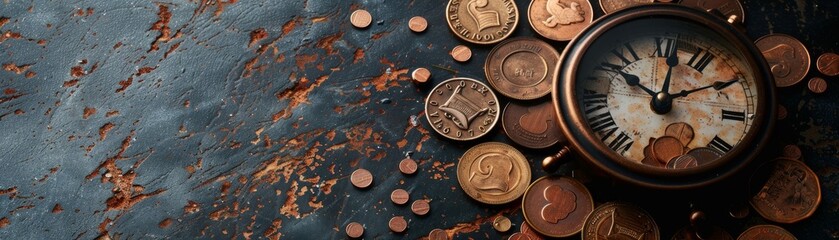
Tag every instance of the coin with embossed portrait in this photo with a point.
(559, 20)
(557, 206)
(462, 109)
(482, 21)
(617, 220)
(493, 173)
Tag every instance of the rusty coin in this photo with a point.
(361, 178)
(482, 21)
(421, 75)
(782, 112)
(493, 173)
(828, 64)
(787, 57)
(817, 85)
(501, 224)
(438, 234)
(361, 18)
(792, 151)
(682, 162)
(680, 130)
(399, 196)
(417, 24)
(726, 7)
(666, 148)
(462, 109)
(354, 230)
(408, 166)
(610, 6)
(785, 191)
(397, 224)
(704, 155)
(420, 207)
(763, 232)
(712, 232)
(522, 68)
(461, 53)
(616, 220)
(531, 126)
(559, 20)
(556, 206)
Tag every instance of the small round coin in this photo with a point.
(787, 57)
(522, 68)
(361, 178)
(785, 191)
(559, 20)
(421, 75)
(763, 232)
(666, 148)
(438, 234)
(461, 53)
(531, 126)
(361, 18)
(408, 166)
(493, 173)
(397, 224)
(502, 224)
(556, 206)
(680, 130)
(726, 7)
(399, 196)
(817, 85)
(616, 220)
(417, 24)
(792, 151)
(462, 109)
(354, 230)
(610, 6)
(828, 64)
(482, 21)
(420, 207)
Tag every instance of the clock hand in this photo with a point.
(672, 61)
(633, 80)
(718, 85)
(662, 102)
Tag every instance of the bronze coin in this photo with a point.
(461, 53)
(817, 85)
(785, 191)
(522, 68)
(792, 151)
(421, 75)
(354, 230)
(782, 112)
(531, 126)
(502, 224)
(420, 207)
(682, 162)
(417, 24)
(556, 206)
(361, 18)
(438, 234)
(666, 148)
(559, 20)
(482, 21)
(704, 155)
(615, 220)
(713, 232)
(399, 196)
(763, 232)
(462, 109)
(493, 173)
(361, 178)
(610, 6)
(828, 64)
(726, 7)
(528, 232)
(397, 224)
(408, 166)
(787, 57)
(680, 130)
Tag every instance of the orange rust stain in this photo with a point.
(388, 80)
(3, 21)
(124, 84)
(162, 25)
(327, 42)
(19, 111)
(297, 94)
(112, 113)
(103, 131)
(273, 232)
(380, 35)
(144, 70)
(88, 111)
(4, 222)
(401, 143)
(165, 223)
(9, 35)
(57, 208)
(17, 69)
(71, 83)
(330, 135)
(9, 91)
(302, 60)
(31, 74)
(12, 192)
(171, 49)
(358, 55)
(290, 25)
(290, 208)
(77, 71)
(191, 207)
(257, 35)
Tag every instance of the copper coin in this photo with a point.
(461, 53)
(438, 234)
(528, 232)
(763, 232)
(682, 162)
(361, 18)
(726, 7)
(421, 75)
(782, 112)
(680, 130)
(559, 20)
(739, 210)
(787, 57)
(462, 109)
(557, 206)
(792, 151)
(531, 126)
(817, 85)
(502, 224)
(828, 64)
(482, 21)
(493, 173)
(420, 207)
(397, 224)
(354, 230)
(615, 220)
(408, 166)
(610, 6)
(361, 178)
(399, 196)
(417, 24)
(666, 148)
(522, 68)
(785, 191)
(712, 232)
(704, 155)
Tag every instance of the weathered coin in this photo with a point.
(764, 232)
(417, 24)
(787, 58)
(792, 151)
(726, 7)
(420, 207)
(361, 178)
(828, 64)
(502, 224)
(556, 206)
(531, 126)
(666, 148)
(361, 18)
(712, 232)
(354, 230)
(482, 21)
(461, 53)
(785, 191)
(528, 232)
(397, 224)
(421, 75)
(704, 155)
(399, 196)
(522, 68)
(610, 6)
(680, 130)
(616, 220)
(408, 166)
(682, 162)
(462, 109)
(493, 173)
(817, 85)
(438, 234)
(559, 20)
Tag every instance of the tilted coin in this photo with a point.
(680, 130)
(420, 207)
(462, 109)
(713, 232)
(482, 21)
(763, 232)
(792, 151)
(785, 191)
(493, 173)
(817, 85)
(726, 7)
(557, 206)
(461, 53)
(397, 224)
(787, 57)
(408, 166)
(559, 20)
(610, 6)
(438, 234)
(361, 18)
(704, 155)
(502, 224)
(531, 126)
(354, 230)
(682, 162)
(528, 233)
(666, 148)
(522, 68)
(361, 178)
(417, 24)
(616, 220)
(421, 75)
(399, 196)
(828, 64)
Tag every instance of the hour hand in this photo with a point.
(718, 85)
(632, 80)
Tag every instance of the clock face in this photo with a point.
(666, 93)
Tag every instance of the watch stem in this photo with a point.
(551, 163)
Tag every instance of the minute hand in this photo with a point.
(718, 85)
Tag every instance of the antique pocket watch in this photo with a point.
(664, 96)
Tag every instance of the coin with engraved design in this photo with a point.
(557, 206)
(462, 109)
(493, 173)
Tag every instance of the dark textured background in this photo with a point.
(244, 119)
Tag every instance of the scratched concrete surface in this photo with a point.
(243, 120)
